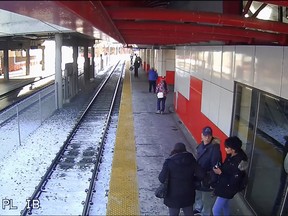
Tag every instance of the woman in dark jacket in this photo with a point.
(230, 174)
(182, 169)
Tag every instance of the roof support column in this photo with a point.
(152, 54)
(145, 60)
(58, 71)
(86, 63)
(43, 57)
(159, 63)
(27, 61)
(148, 59)
(6, 64)
(93, 62)
(75, 70)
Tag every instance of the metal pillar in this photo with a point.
(75, 70)
(43, 57)
(93, 62)
(86, 63)
(6, 64)
(58, 71)
(27, 61)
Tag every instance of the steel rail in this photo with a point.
(41, 186)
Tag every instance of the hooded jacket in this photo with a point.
(231, 176)
(181, 169)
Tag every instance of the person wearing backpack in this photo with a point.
(232, 176)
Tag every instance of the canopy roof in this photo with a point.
(149, 23)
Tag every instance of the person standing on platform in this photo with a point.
(161, 92)
(101, 62)
(180, 169)
(208, 155)
(152, 77)
(231, 174)
(131, 58)
(136, 65)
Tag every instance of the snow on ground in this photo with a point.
(22, 168)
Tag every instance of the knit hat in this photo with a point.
(207, 131)
(234, 143)
(180, 147)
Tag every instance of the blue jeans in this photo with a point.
(221, 205)
(188, 211)
(204, 202)
(161, 101)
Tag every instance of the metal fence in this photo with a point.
(20, 120)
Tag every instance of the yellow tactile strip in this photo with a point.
(123, 193)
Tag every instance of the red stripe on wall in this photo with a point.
(170, 77)
(189, 111)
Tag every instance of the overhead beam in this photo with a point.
(227, 31)
(94, 12)
(279, 3)
(159, 35)
(197, 17)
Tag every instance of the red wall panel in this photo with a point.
(170, 77)
(189, 111)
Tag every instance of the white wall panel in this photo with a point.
(180, 58)
(284, 85)
(182, 82)
(187, 59)
(227, 77)
(225, 111)
(268, 68)
(216, 64)
(198, 69)
(210, 101)
(169, 54)
(205, 98)
(214, 103)
(169, 58)
(244, 64)
(207, 64)
(170, 65)
(193, 60)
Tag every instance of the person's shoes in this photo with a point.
(158, 112)
(161, 112)
(196, 213)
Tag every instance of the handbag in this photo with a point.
(162, 190)
(160, 95)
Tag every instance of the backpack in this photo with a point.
(243, 181)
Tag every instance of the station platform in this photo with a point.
(144, 139)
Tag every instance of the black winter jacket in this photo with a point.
(181, 169)
(207, 157)
(232, 172)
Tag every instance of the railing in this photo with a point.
(19, 121)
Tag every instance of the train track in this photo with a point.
(68, 185)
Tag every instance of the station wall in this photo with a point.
(205, 77)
